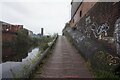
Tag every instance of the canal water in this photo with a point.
(15, 53)
(19, 62)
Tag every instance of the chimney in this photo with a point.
(42, 31)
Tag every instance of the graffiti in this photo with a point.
(87, 23)
(88, 32)
(113, 60)
(81, 38)
(117, 35)
(88, 20)
(94, 28)
(102, 30)
(98, 31)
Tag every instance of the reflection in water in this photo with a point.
(18, 61)
(16, 54)
(12, 69)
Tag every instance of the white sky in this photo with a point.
(35, 14)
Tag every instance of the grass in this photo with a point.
(105, 74)
(98, 64)
(40, 66)
(100, 67)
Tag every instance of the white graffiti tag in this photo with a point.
(100, 31)
(117, 35)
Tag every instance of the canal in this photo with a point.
(18, 62)
(15, 53)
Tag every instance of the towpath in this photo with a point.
(64, 62)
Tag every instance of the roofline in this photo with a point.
(76, 10)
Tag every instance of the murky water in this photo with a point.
(15, 53)
(18, 62)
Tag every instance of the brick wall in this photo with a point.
(101, 14)
(98, 20)
(81, 11)
(11, 28)
(9, 32)
(8, 37)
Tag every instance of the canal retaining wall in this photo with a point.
(94, 36)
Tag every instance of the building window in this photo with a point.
(73, 20)
(80, 13)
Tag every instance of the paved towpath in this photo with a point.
(64, 62)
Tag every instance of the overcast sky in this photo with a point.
(36, 14)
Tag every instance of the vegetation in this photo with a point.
(23, 38)
(23, 44)
(100, 66)
(43, 43)
(105, 74)
(40, 66)
(99, 63)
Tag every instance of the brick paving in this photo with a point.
(64, 62)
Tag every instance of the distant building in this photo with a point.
(39, 35)
(30, 33)
(11, 28)
(36, 35)
(9, 31)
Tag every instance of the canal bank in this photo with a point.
(65, 62)
(24, 69)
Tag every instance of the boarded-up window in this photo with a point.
(80, 13)
(73, 20)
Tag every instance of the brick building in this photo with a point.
(95, 19)
(93, 24)
(9, 31)
(11, 28)
(79, 9)
(94, 29)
